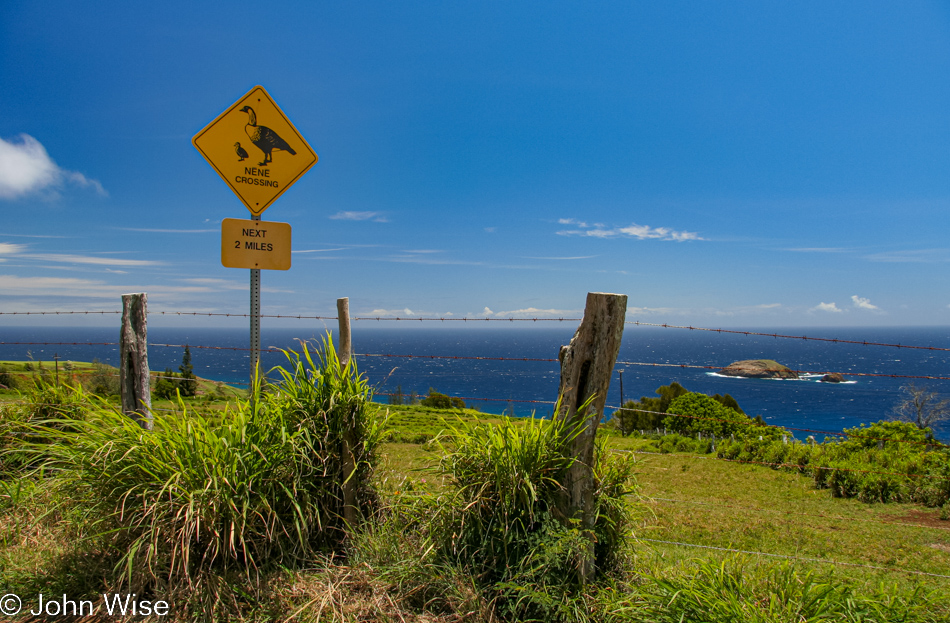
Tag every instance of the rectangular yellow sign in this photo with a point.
(255, 244)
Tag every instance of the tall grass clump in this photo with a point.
(734, 589)
(40, 406)
(199, 499)
(500, 521)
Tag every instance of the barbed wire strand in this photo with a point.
(443, 319)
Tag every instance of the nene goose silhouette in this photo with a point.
(263, 137)
(240, 151)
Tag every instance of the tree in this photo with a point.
(165, 385)
(188, 385)
(397, 397)
(922, 407)
(647, 413)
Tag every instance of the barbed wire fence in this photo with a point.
(551, 403)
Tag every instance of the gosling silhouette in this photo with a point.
(240, 151)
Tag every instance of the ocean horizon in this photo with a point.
(495, 386)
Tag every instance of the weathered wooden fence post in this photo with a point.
(586, 366)
(133, 366)
(350, 510)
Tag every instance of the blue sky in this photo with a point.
(741, 164)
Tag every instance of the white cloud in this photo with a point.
(534, 312)
(12, 285)
(8, 248)
(487, 312)
(88, 259)
(26, 168)
(491, 230)
(917, 256)
(862, 303)
(398, 313)
(827, 307)
(640, 232)
(376, 217)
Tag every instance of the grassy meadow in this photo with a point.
(707, 539)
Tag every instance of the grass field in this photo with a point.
(714, 540)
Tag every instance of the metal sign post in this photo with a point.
(255, 321)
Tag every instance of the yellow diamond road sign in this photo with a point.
(255, 149)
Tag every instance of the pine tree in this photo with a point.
(188, 385)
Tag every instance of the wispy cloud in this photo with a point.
(224, 284)
(88, 259)
(18, 251)
(920, 256)
(639, 232)
(13, 285)
(827, 307)
(170, 231)
(390, 313)
(862, 303)
(534, 312)
(376, 217)
(31, 236)
(320, 250)
(819, 250)
(8, 248)
(26, 168)
(576, 257)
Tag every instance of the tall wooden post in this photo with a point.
(586, 366)
(345, 351)
(343, 319)
(133, 367)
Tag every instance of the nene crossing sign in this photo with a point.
(255, 149)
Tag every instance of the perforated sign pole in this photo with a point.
(255, 321)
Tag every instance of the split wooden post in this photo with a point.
(133, 367)
(350, 510)
(586, 366)
(343, 318)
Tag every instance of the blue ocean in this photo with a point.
(506, 386)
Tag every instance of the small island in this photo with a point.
(759, 369)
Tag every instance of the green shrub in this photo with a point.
(104, 380)
(260, 485)
(442, 401)
(501, 522)
(693, 412)
(9, 380)
(166, 385)
(43, 406)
